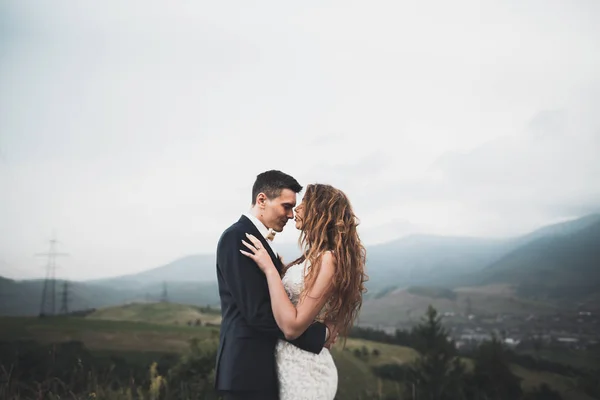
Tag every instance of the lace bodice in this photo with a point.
(293, 281)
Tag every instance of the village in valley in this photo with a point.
(576, 330)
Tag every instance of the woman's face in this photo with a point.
(299, 211)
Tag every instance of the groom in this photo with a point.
(245, 367)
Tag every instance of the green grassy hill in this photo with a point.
(159, 313)
(103, 334)
(354, 363)
(132, 339)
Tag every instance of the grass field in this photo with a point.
(148, 340)
(355, 374)
(158, 313)
(577, 358)
(560, 383)
(104, 334)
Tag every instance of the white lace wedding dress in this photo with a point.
(301, 374)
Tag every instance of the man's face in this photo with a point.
(280, 210)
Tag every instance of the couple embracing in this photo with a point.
(279, 320)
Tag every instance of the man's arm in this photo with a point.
(248, 287)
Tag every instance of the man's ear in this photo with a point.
(261, 199)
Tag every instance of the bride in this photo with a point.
(326, 284)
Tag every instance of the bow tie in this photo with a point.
(270, 235)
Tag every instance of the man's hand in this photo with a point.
(333, 335)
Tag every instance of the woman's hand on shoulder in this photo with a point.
(258, 253)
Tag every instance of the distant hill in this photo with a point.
(556, 266)
(451, 261)
(159, 313)
(413, 260)
(558, 229)
(429, 260)
(417, 260)
(193, 268)
(564, 266)
(24, 297)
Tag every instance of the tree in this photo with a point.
(438, 372)
(492, 378)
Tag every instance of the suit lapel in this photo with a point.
(252, 229)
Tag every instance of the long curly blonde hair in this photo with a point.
(329, 224)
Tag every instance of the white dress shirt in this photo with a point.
(264, 231)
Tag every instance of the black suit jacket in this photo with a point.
(249, 333)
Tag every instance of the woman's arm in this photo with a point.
(292, 321)
(295, 320)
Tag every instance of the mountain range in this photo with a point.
(559, 267)
(555, 262)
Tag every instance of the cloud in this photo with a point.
(517, 182)
(136, 129)
(552, 164)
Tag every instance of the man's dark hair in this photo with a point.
(272, 182)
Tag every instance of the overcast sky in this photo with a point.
(135, 129)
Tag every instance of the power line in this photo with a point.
(48, 302)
